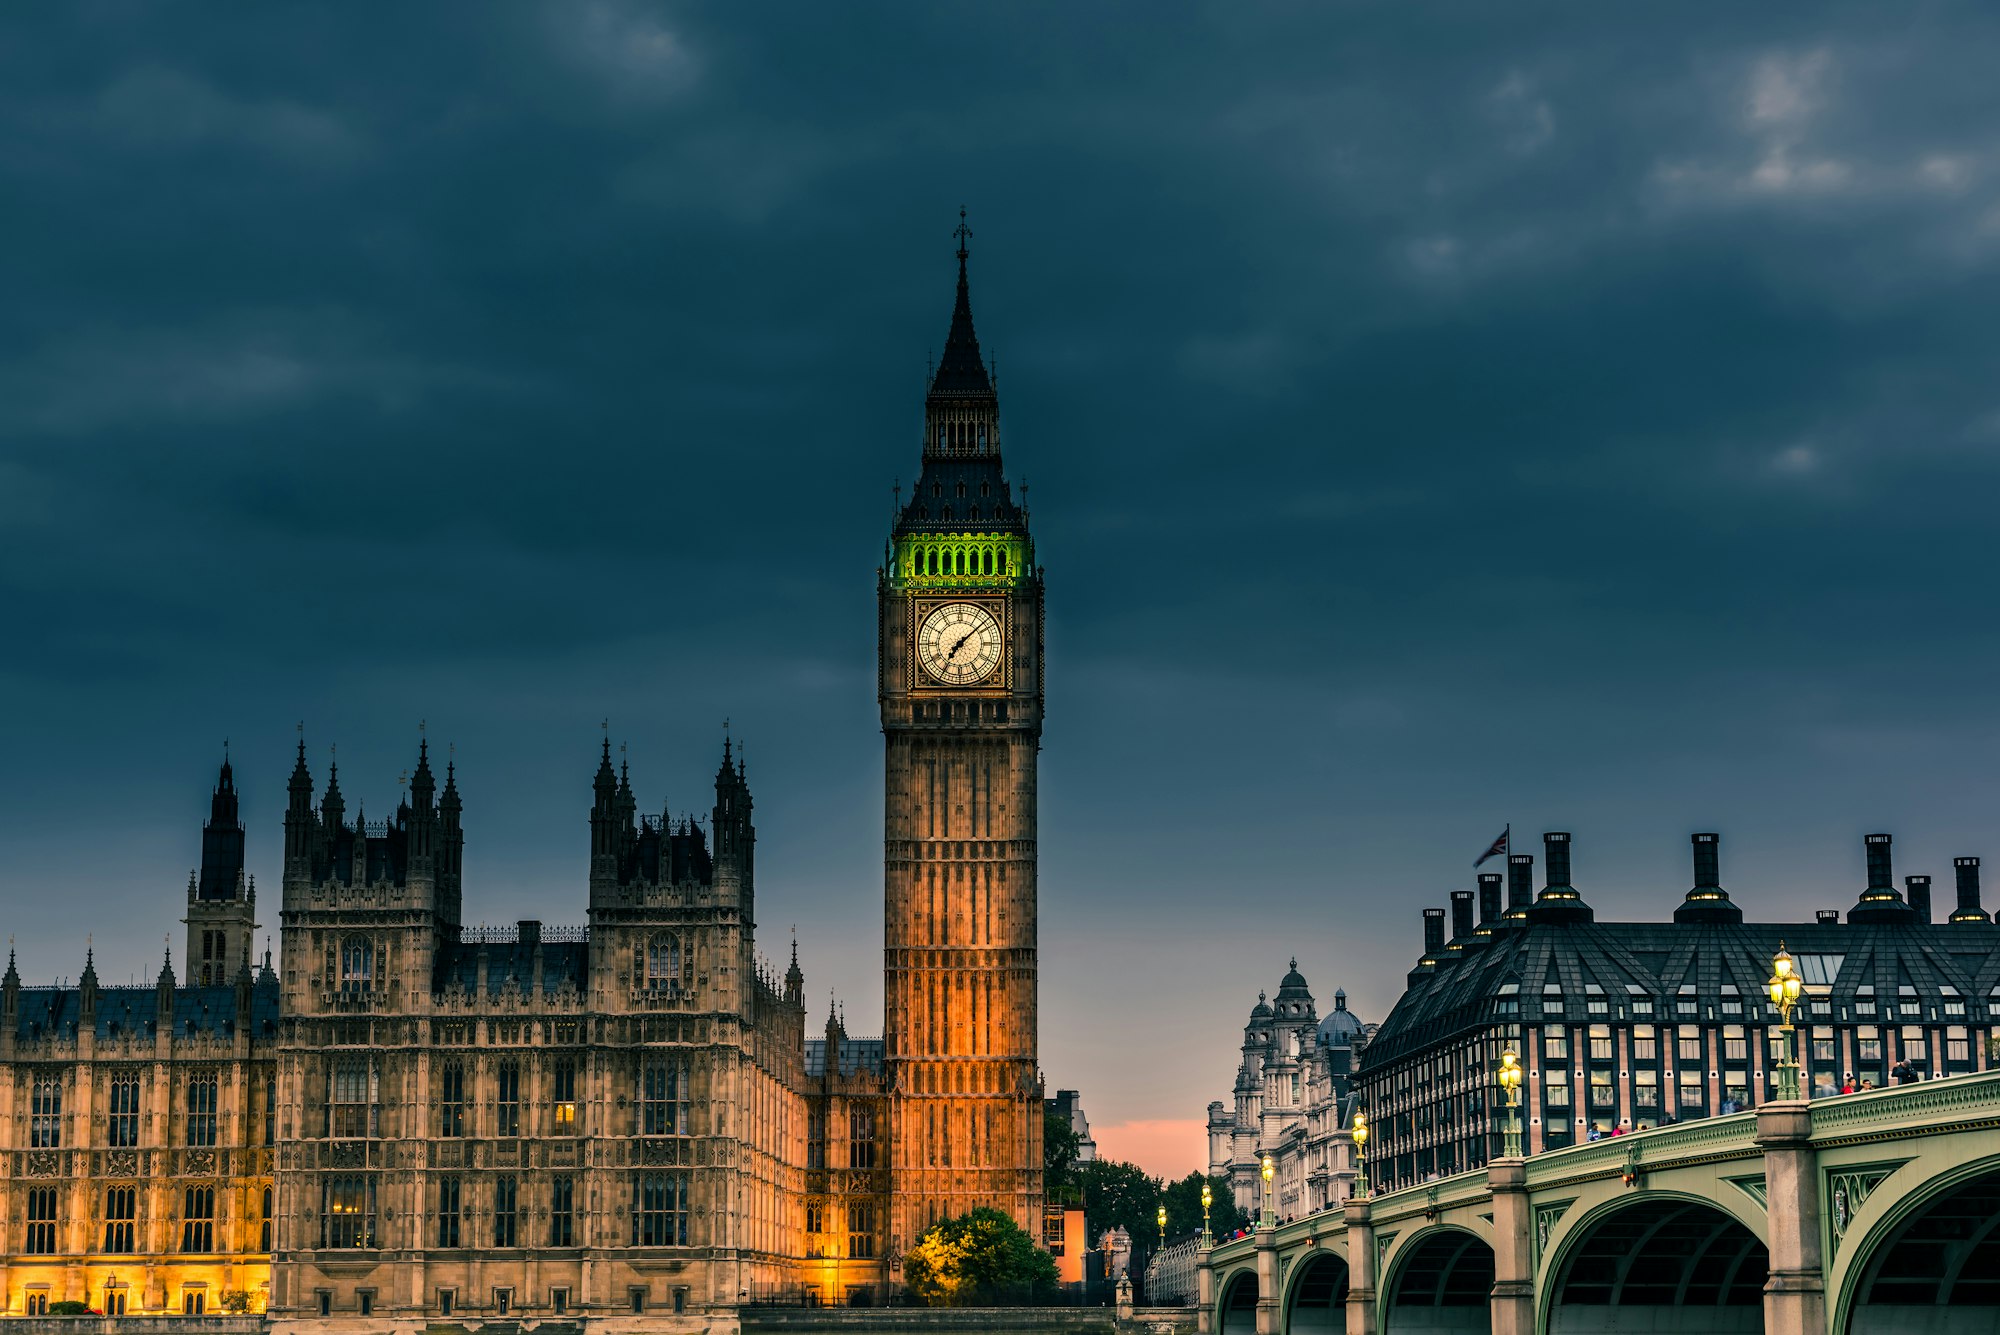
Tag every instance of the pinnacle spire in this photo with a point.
(960, 371)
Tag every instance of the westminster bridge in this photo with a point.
(1856, 1214)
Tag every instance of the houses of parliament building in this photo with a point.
(404, 1121)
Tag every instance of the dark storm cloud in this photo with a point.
(1437, 415)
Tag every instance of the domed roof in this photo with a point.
(1262, 1010)
(1293, 987)
(1341, 1027)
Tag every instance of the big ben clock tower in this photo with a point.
(961, 691)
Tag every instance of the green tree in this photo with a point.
(1184, 1207)
(1060, 1144)
(1119, 1195)
(976, 1258)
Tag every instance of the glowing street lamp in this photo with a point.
(1510, 1080)
(1270, 1171)
(1207, 1199)
(1163, 1227)
(1784, 988)
(1360, 1134)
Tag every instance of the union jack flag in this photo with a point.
(1499, 845)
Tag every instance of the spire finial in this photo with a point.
(964, 234)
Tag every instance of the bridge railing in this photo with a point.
(1835, 1117)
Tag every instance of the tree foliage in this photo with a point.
(1060, 1144)
(1184, 1207)
(975, 1258)
(1119, 1195)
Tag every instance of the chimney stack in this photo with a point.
(1826, 916)
(1880, 902)
(1917, 889)
(1520, 883)
(1489, 896)
(1708, 901)
(1555, 848)
(1461, 914)
(1559, 901)
(1880, 875)
(1433, 933)
(1968, 891)
(1707, 861)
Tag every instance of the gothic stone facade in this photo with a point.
(411, 1121)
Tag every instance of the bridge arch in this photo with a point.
(1316, 1295)
(1673, 1261)
(1236, 1304)
(1929, 1263)
(1438, 1283)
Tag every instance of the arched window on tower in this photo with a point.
(357, 964)
(663, 964)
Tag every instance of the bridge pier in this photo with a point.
(1512, 1305)
(1204, 1291)
(1270, 1307)
(1795, 1294)
(1360, 1267)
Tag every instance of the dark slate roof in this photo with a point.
(997, 511)
(129, 1010)
(856, 1055)
(562, 962)
(1658, 959)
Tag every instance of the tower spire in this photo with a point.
(961, 371)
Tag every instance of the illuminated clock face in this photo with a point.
(959, 644)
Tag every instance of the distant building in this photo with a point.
(1294, 1102)
(1619, 1026)
(1068, 1105)
(1115, 1245)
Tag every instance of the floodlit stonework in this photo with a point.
(405, 1120)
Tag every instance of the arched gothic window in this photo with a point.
(663, 963)
(357, 964)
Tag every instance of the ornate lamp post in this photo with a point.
(1163, 1227)
(1270, 1171)
(1510, 1080)
(1207, 1199)
(1784, 988)
(1360, 1134)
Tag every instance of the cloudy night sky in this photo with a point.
(1436, 416)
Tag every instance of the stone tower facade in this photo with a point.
(222, 900)
(961, 695)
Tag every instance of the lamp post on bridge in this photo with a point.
(1207, 1199)
(1360, 1135)
(1784, 988)
(1510, 1080)
(1270, 1171)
